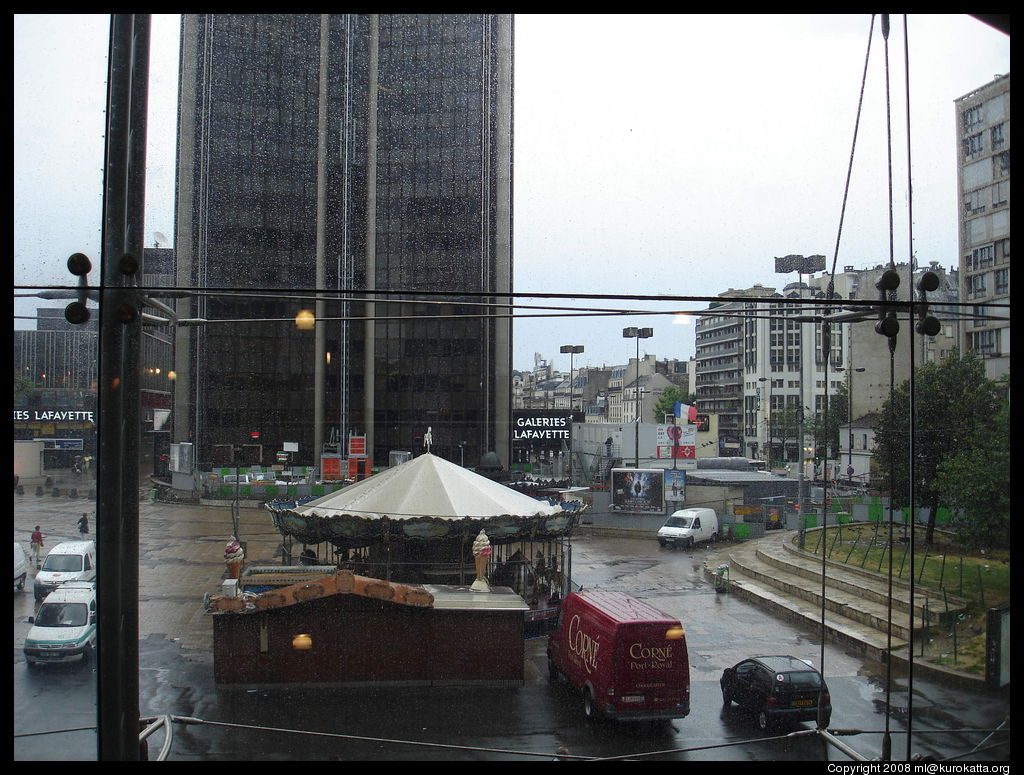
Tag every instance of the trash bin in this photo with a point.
(722, 578)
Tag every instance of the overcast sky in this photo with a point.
(654, 155)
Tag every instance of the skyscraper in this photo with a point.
(369, 156)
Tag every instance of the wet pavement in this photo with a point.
(181, 560)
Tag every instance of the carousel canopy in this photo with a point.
(427, 497)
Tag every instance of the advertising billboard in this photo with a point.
(675, 484)
(638, 490)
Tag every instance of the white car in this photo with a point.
(20, 566)
(64, 627)
(67, 561)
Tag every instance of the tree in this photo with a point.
(975, 484)
(953, 402)
(667, 403)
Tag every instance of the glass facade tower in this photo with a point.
(368, 157)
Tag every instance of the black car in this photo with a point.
(779, 689)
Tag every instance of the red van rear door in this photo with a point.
(652, 669)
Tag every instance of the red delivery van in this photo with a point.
(627, 658)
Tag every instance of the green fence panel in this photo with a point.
(943, 517)
(741, 530)
(810, 520)
(843, 517)
(876, 513)
(318, 489)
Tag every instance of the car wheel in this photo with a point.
(726, 698)
(21, 583)
(590, 709)
(764, 721)
(714, 537)
(689, 543)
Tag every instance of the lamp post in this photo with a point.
(767, 421)
(849, 419)
(572, 349)
(637, 333)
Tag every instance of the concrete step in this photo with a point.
(838, 628)
(786, 556)
(849, 605)
(784, 581)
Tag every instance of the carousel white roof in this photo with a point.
(427, 486)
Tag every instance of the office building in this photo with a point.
(368, 156)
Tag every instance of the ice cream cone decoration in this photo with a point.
(481, 556)
(233, 556)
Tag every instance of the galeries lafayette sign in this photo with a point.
(541, 427)
(53, 415)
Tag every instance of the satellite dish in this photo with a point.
(159, 238)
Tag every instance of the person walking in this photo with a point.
(37, 546)
(83, 526)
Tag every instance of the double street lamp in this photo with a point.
(633, 332)
(572, 349)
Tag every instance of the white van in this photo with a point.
(69, 561)
(20, 566)
(688, 526)
(64, 627)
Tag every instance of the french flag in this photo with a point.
(689, 413)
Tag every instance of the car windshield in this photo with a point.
(806, 679)
(63, 563)
(62, 615)
(679, 522)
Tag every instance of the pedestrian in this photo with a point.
(83, 525)
(37, 546)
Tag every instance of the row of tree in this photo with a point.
(958, 457)
(944, 441)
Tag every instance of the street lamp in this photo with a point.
(849, 418)
(572, 349)
(633, 332)
(767, 422)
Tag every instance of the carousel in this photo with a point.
(416, 523)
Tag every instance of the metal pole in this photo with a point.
(636, 421)
(117, 523)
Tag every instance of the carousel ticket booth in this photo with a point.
(438, 575)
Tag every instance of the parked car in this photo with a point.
(688, 526)
(67, 561)
(20, 566)
(780, 690)
(64, 627)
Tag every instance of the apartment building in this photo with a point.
(983, 179)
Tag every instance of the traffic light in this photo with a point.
(926, 324)
(887, 325)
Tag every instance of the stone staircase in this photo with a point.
(786, 580)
